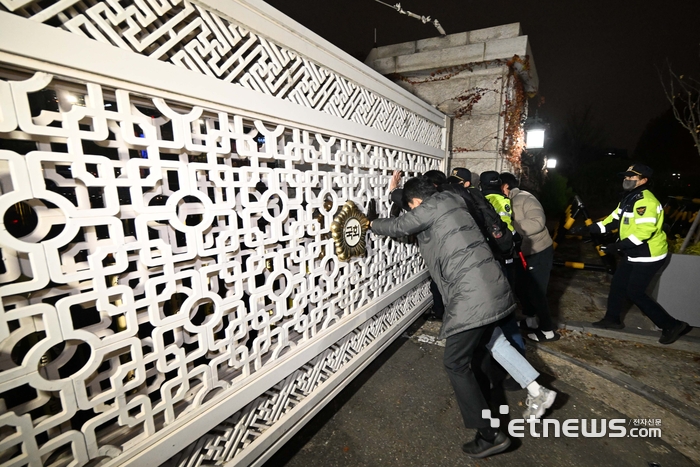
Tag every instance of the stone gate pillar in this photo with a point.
(481, 79)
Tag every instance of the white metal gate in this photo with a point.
(169, 172)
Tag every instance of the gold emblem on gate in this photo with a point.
(349, 229)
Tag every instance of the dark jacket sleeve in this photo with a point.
(396, 198)
(409, 223)
(625, 244)
(467, 196)
(611, 222)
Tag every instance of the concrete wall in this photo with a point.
(440, 70)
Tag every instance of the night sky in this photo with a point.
(602, 53)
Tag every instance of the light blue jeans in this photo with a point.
(510, 359)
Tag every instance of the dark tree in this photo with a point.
(668, 148)
(579, 146)
(684, 95)
(579, 140)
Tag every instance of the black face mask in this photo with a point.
(628, 185)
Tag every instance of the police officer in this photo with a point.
(642, 243)
(490, 183)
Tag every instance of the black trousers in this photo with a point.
(631, 280)
(465, 354)
(438, 306)
(531, 286)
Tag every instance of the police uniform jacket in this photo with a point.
(639, 218)
(501, 203)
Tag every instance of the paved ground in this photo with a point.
(581, 296)
(401, 412)
(675, 372)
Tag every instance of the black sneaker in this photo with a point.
(525, 327)
(606, 323)
(480, 448)
(540, 336)
(669, 336)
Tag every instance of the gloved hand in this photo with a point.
(611, 248)
(372, 210)
(594, 229)
(517, 240)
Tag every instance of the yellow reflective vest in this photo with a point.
(501, 204)
(639, 218)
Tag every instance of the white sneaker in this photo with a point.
(536, 406)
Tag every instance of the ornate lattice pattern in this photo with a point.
(227, 440)
(157, 255)
(189, 36)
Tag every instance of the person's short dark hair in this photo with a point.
(417, 188)
(509, 179)
(435, 177)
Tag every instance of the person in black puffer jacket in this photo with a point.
(475, 292)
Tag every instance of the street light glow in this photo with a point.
(551, 163)
(534, 139)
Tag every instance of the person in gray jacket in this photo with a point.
(475, 293)
(531, 284)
